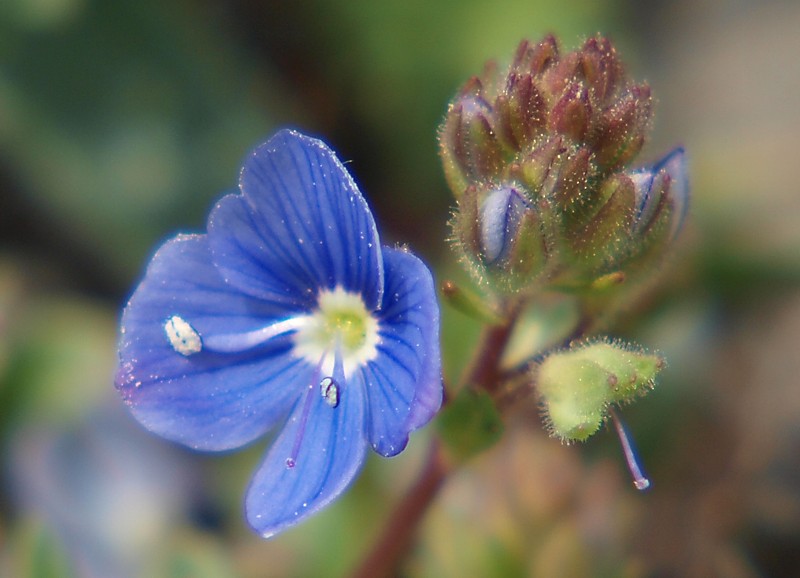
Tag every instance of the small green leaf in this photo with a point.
(469, 424)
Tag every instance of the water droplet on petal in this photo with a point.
(330, 391)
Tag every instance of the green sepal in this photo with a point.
(469, 424)
(468, 303)
(573, 394)
(630, 371)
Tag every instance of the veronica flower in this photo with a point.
(287, 312)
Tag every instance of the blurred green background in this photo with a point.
(121, 122)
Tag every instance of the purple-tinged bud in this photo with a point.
(571, 114)
(601, 68)
(675, 166)
(622, 129)
(556, 79)
(469, 146)
(540, 153)
(521, 111)
(535, 59)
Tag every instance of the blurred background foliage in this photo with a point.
(121, 122)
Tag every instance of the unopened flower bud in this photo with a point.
(500, 234)
(533, 59)
(521, 111)
(601, 68)
(469, 144)
(572, 113)
(540, 166)
(571, 185)
(605, 235)
(661, 197)
(622, 129)
(629, 221)
(555, 81)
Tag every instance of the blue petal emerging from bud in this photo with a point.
(666, 182)
(500, 215)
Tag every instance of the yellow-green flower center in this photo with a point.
(341, 321)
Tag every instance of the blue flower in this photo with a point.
(288, 312)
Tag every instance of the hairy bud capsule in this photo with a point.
(578, 386)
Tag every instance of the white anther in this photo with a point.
(182, 336)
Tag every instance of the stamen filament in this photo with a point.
(291, 461)
(238, 342)
(640, 481)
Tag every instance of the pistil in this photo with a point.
(640, 482)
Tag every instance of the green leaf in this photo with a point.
(469, 424)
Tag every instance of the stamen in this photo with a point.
(237, 342)
(182, 336)
(640, 482)
(291, 461)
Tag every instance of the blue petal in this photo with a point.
(674, 164)
(404, 382)
(204, 400)
(645, 203)
(331, 449)
(300, 225)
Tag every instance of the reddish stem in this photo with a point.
(484, 373)
(396, 539)
(397, 536)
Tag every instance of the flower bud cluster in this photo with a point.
(537, 159)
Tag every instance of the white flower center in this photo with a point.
(341, 321)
